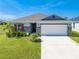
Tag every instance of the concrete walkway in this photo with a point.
(54, 47)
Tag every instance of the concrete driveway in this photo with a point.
(58, 47)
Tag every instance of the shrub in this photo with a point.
(11, 34)
(21, 34)
(18, 34)
(34, 37)
(8, 34)
(25, 34)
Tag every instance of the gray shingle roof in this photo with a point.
(39, 17)
(35, 17)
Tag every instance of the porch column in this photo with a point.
(38, 28)
(73, 25)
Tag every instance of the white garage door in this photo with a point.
(77, 26)
(53, 29)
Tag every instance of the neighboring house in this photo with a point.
(43, 24)
(75, 25)
(2, 22)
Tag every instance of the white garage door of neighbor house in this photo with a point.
(77, 26)
(53, 29)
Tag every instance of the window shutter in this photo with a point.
(22, 27)
(15, 26)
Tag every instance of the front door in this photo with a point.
(33, 27)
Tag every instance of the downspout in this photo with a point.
(69, 30)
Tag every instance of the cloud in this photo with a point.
(15, 4)
(52, 4)
(7, 17)
(48, 5)
(20, 8)
(35, 9)
(31, 9)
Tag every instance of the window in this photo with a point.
(19, 27)
(27, 27)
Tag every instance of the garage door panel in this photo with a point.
(77, 26)
(53, 29)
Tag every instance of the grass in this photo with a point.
(75, 36)
(18, 48)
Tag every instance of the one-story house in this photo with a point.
(43, 24)
(75, 25)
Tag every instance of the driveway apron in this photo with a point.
(58, 47)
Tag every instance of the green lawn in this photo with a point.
(18, 48)
(75, 36)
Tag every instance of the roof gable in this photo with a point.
(53, 17)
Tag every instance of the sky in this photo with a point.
(12, 9)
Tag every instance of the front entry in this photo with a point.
(33, 27)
